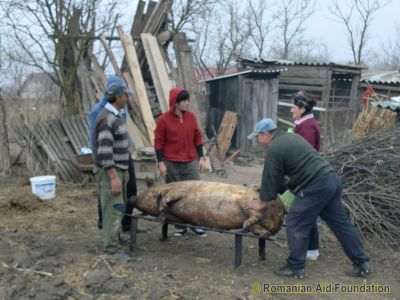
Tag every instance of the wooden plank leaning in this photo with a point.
(65, 151)
(133, 66)
(131, 126)
(138, 122)
(186, 74)
(158, 69)
(225, 133)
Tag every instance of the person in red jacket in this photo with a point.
(179, 144)
(308, 128)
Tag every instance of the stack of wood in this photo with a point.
(51, 147)
(370, 173)
(373, 120)
(146, 71)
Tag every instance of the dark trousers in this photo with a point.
(181, 172)
(177, 171)
(131, 191)
(321, 198)
(313, 243)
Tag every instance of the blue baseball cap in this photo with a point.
(116, 86)
(262, 126)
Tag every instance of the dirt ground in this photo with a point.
(60, 238)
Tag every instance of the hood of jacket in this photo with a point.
(173, 95)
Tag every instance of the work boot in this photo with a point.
(287, 271)
(360, 270)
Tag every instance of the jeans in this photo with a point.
(321, 198)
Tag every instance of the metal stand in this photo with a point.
(164, 236)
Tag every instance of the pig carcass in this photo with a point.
(211, 204)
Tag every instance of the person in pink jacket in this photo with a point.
(308, 128)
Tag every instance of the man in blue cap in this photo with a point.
(109, 141)
(131, 185)
(290, 162)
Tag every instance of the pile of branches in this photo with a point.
(370, 171)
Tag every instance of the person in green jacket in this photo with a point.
(290, 162)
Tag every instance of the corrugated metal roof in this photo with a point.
(381, 77)
(281, 62)
(252, 71)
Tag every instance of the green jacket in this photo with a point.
(290, 161)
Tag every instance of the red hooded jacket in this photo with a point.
(177, 136)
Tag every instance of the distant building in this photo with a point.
(39, 87)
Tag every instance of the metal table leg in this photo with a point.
(238, 250)
(261, 248)
(134, 224)
(164, 232)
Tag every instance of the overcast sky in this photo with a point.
(322, 27)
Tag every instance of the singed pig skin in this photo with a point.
(212, 204)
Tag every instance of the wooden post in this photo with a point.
(140, 89)
(225, 133)
(4, 149)
(132, 129)
(110, 55)
(158, 70)
(186, 75)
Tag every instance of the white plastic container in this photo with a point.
(44, 186)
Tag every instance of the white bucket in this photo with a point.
(44, 186)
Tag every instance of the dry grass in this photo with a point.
(373, 120)
(31, 111)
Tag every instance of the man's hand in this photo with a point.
(116, 184)
(162, 168)
(202, 163)
(256, 204)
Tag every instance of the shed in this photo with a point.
(335, 86)
(252, 94)
(385, 83)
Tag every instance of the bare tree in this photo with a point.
(356, 16)
(47, 33)
(220, 37)
(4, 148)
(310, 51)
(231, 39)
(291, 16)
(388, 57)
(201, 27)
(260, 25)
(184, 12)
